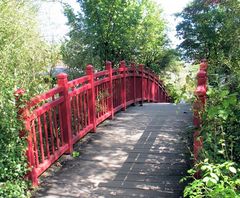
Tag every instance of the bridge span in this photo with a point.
(142, 152)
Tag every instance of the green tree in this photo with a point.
(210, 29)
(132, 30)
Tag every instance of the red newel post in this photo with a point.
(110, 101)
(141, 68)
(65, 108)
(124, 90)
(159, 91)
(23, 115)
(133, 65)
(149, 87)
(199, 105)
(92, 99)
(153, 89)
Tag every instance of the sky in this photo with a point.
(53, 22)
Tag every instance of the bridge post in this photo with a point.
(124, 90)
(141, 68)
(65, 108)
(23, 116)
(148, 86)
(92, 99)
(108, 67)
(133, 65)
(199, 105)
(154, 89)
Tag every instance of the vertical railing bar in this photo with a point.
(51, 131)
(81, 108)
(61, 127)
(55, 126)
(124, 91)
(84, 112)
(85, 109)
(75, 114)
(35, 144)
(97, 101)
(46, 135)
(102, 99)
(88, 109)
(141, 68)
(78, 114)
(40, 139)
(133, 65)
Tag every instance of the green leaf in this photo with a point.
(232, 169)
(75, 153)
(214, 176)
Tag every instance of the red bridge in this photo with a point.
(139, 152)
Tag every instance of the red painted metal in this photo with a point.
(199, 105)
(57, 119)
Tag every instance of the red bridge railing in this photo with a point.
(199, 105)
(57, 119)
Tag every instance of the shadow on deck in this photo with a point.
(141, 153)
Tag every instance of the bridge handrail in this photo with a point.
(57, 119)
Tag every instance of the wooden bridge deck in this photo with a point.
(141, 153)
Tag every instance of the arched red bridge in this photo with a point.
(140, 151)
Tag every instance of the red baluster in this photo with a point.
(123, 91)
(110, 88)
(133, 65)
(141, 68)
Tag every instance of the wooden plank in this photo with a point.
(140, 153)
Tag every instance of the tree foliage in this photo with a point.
(132, 30)
(210, 29)
(22, 57)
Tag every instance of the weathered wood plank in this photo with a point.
(141, 153)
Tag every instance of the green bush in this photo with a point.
(218, 180)
(209, 29)
(22, 57)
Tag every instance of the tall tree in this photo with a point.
(114, 30)
(210, 29)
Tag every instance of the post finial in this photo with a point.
(203, 64)
(122, 64)
(108, 65)
(89, 69)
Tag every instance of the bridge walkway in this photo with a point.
(142, 152)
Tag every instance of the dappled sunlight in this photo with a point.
(140, 152)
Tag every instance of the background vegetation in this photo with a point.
(210, 29)
(23, 56)
(128, 30)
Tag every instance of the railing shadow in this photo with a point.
(146, 158)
